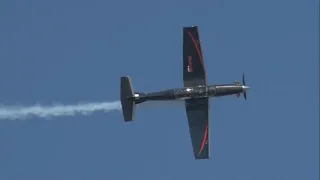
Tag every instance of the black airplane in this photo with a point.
(195, 93)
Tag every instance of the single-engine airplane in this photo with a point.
(195, 93)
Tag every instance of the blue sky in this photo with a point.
(72, 51)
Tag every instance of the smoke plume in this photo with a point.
(23, 112)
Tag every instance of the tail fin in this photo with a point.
(127, 100)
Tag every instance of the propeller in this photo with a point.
(245, 88)
(244, 84)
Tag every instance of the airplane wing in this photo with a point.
(198, 120)
(194, 72)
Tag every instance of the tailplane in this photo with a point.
(127, 98)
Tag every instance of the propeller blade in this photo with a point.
(244, 84)
(243, 80)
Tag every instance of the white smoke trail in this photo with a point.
(21, 112)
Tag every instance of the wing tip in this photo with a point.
(191, 27)
(202, 157)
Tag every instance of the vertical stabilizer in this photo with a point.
(127, 98)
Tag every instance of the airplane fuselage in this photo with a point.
(201, 91)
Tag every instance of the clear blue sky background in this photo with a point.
(73, 51)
